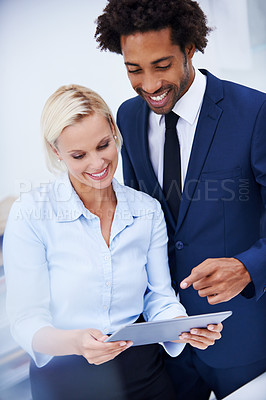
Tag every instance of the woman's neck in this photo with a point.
(97, 201)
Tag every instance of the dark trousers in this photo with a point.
(136, 374)
(194, 380)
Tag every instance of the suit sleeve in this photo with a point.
(254, 258)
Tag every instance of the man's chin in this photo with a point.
(160, 110)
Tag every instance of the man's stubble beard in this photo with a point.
(178, 91)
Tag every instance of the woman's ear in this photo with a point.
(55, 151)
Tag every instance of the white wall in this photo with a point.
(45, 44)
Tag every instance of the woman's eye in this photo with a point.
(79, 157)
(103, 146)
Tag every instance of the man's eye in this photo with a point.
(163, 67)
(133, 71)
(79, 157)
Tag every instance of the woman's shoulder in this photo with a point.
(38, 209)
(40, 199)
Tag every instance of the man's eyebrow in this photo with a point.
(131, 64)
(162, 59)
(153, 62)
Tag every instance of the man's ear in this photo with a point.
(190, 50)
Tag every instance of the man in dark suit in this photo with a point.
(209, 175)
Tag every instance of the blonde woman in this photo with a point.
(84, 256)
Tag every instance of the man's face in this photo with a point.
(157, 69)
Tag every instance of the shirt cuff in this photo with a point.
(23, 334)
(40, 359)
(173, 349)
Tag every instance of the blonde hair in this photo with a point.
(68, 105)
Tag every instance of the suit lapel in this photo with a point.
(142, 130)
(149, 183)
(149, 178)
(205, 131)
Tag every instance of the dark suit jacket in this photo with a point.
(222, 206)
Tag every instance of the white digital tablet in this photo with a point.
(167, 330)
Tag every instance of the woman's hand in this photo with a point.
(201, 338)
(90, 344)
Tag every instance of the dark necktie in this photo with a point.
(172, 164)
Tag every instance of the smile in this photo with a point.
(159, 101)
(159, 98)
(99, 175)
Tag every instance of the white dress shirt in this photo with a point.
(60, 271)
(188, 108)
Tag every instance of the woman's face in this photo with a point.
(89, 151)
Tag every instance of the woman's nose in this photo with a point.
(96, 163)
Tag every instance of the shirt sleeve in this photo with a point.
(160, 300)
(27, 278)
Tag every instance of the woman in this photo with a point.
(84, 256)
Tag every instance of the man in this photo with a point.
(216, 159)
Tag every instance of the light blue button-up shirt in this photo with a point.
(60, 271)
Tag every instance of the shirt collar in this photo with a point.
(69, 207)
(188, 106)
(131, 202)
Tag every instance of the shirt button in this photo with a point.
(179, 245)
(105, 330)
(108, 283)
(105, 308)
(106, 258)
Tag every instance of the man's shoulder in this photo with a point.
(248, 92)
(131, 105)
(237, 91)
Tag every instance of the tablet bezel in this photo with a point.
(166, 330)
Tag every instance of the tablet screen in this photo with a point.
(166, 330)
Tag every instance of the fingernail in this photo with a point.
(211, 327)
(185, 335)
(184, 285)
(122, 344)
(194, 331)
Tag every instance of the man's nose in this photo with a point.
(150, 84)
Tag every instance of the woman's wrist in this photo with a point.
(57, 342)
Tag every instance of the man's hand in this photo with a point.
(201, 338)
(218, 279)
